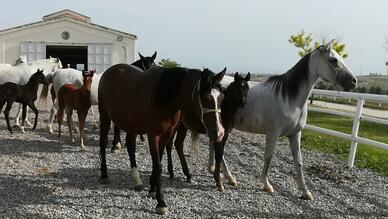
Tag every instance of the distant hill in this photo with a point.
(373, 81)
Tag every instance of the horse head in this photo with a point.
(238, 89)
(211, 97)
(331, 67)
(145, 63)
(87, 79)
(39, 77)
(21, 59)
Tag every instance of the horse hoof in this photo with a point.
(308, 196)
(172, 176)
(139, 188)
(161, 210)
(210, 169)
(95, 127)
(188, 180)
(114, 151)
(221, 189)
(268, 189)
(152, 195)
(233, 182)
(105, 181)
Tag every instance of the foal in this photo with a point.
(24, 94)
(70, 98)
(235, 97)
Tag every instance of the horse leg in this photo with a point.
(210, 166)
(270, 145)
(104, 131)
(36, 111)
(51, 119)
(81, 122)
(116, 139)
(19, 113)
(169, 158)
(219, 153)
(231, 180)
(179, 143)
(26, 119)
(60, 120)
(6, 115)
(70, 123)
(161, 207)
(298, 162)
(130, 141)
(24, 114)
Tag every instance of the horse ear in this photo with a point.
(329, 45)
(236, 76)
(141, 56)
(153, 56)
(220, 75)
(83, 73)
(248, 77)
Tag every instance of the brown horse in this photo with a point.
(151, 103)
(71, 98)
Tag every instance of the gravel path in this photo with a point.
(43, 177)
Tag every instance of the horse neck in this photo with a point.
(307, 88)
(229, 108)
(33, 85)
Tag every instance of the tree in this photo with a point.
(306, 43)
(168, 63)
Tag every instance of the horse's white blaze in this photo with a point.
(215, 93)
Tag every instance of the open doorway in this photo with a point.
(75, 56)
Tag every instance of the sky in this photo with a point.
(242, 35)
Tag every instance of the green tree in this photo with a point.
(306, 43)
(168, 63)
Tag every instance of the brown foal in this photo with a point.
(70, 98)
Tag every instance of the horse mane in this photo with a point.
(138, 63)
(290, 83)
(168, 85)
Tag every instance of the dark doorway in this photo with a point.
(76, 56)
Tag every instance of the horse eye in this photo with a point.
(333, 60)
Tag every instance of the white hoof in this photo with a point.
(232, 181)
(221, 189)
(210, 169)
(268, 188)
(308, 196)
(28, 123)
(161, 210)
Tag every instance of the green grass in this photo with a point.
(366, 157)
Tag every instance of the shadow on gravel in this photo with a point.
(19, 191)
(18, 146)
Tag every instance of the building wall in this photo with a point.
(50, 33)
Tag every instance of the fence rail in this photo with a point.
(357, 117)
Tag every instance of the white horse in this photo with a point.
(278, 106)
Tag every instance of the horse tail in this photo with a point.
(194, 140)
(44, 94)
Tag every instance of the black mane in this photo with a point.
(168, 85)
(290, 83)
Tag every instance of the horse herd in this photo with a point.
(143, 98)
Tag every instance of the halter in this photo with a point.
(335, 69)
(209, 110)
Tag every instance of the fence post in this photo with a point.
(356, 125)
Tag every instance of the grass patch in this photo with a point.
(366, 156)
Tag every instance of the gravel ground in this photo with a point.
(43, 177)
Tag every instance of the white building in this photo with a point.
(71, 37)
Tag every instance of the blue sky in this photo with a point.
(249, 35)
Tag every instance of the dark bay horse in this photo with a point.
(151, 103)
(235, 97)
(144, 63)
(72, 98)
(25, 94)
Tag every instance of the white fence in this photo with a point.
(357, 117)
